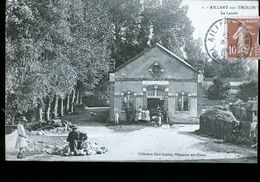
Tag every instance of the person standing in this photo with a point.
(147, 115)
(21, 142)
(116, 118)
(143, 114)
(139, 114)
(160, 118)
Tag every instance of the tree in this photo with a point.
(194, 54)
(89, 53)
(61, 49)
(248, 90)
(227, 70)
(171, 26)
(21, 58)
(139, 24)
(36, 61)
(209, 71)
(125, 18)
(252, 70)
(218, 90)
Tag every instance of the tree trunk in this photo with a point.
(77, 97)
(68, 103)
(48, 109)
(40, 113)
(61, 107)
(12, 119)
(72, 101)
(56, 106)
(39, 110)
(80, 98)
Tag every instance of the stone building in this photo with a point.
(156, 78)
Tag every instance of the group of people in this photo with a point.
(75, 138)
(142, 115)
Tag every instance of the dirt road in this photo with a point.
(178, 143)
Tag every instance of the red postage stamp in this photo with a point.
(243, 38)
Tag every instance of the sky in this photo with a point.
(202, 17)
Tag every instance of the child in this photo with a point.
(116, 117)
(21, 141)
(139, 114)
(160, 117)
(147, 115)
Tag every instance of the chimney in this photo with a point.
(112, 66)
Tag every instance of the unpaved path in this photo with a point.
(147, 144)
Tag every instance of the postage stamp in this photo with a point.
(242, 38)
(233, 39)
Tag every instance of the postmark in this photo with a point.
(230, 41)
(215, 41)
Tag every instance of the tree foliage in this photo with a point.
(218, 90)
(58, 49)
(248, 90)
(51, 47)
(139, 24)
(228, 70)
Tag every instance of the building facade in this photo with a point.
(154, 79)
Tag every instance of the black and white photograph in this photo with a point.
(170, 81)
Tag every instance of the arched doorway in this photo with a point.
(155, 98)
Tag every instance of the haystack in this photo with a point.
(218, 122)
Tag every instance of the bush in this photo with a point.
(218, 90)
(248, 90)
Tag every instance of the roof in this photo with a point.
(163, 49)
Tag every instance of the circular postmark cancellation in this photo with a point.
(215, 41)
(232, 40)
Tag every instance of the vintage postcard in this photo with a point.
(132, 80)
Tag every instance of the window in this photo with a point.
(182, 102)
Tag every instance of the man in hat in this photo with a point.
(73, 138)
(21, 141)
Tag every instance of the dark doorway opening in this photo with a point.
(152, 105)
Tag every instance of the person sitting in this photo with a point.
(82, 137)
(73, 138)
